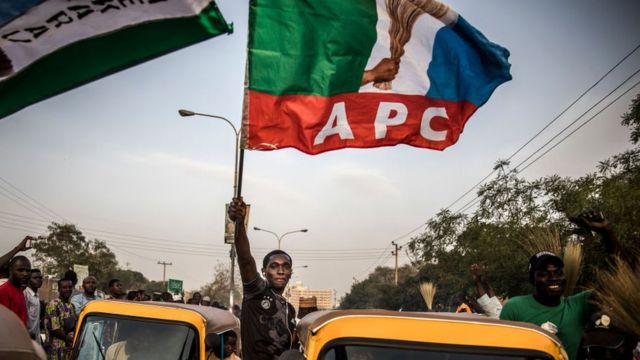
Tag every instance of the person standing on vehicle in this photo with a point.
(11, 294)
(33, 304)
(268, 319)
(90, 293)
(59, 323)
(546, 307)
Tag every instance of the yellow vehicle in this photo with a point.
(382, 335)
(114, 330)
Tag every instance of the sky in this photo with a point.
(116, 159)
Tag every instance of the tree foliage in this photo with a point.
(508, 208)
(218, 288)
(65, 246)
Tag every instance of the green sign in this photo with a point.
(174, 286)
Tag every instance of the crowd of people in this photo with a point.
(269, 321)
(51, 325)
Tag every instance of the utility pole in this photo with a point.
(395, 253)
(164, 272)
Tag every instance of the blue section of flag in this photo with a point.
(9, 9)
(465, 65)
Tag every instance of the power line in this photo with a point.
(550, 122)
(580, 117)
(477, 199)
(38, 203)
(579, 127)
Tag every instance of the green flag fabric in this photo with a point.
(56, 45)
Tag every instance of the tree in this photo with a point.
(378, 290)
(65, 246)
(218, 288)
(509, 207)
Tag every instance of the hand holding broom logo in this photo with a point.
(403, 14)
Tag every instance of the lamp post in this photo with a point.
(279, 237)
(237, 184)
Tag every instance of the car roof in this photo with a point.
(216, 320)
(314, 322)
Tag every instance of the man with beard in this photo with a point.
(59, 323)
(11, 294)
(268, 319)
(89, 285)
(33, 304)
(546, 307)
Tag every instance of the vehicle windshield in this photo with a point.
(112, 338)
(361, 352)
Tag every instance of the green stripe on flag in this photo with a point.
(96, 57)
(309, 47)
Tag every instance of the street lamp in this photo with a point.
(279, 237)
(237, 185)
(239, 156)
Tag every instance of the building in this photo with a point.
(324, 298)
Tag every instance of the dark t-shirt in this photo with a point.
(267, 322)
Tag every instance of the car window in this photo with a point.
(360, 352)
(113, 338)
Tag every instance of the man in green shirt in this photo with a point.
(546, 307)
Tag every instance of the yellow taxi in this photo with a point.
(114, 330)
(382, 335)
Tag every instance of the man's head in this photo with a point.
(65, 288)
(89, 285)
(115, 288)
(19, 271)
(546, 273)
(35, 280)
(277, 269)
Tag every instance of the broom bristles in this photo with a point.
(428, 291)
(572, 259)
(404, 14)
(618, 293)
(542, 239)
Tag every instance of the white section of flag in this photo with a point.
(412, 77)
(94, 24)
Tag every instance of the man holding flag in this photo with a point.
(268, 319)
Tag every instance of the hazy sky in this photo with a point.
(114, 157)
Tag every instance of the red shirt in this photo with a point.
(13, 298)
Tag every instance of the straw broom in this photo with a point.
(572, 259)
(403, 14)
(542, 239)
(428, 291)
(618, 293)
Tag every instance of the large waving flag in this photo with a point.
(330, 74)
(50, 46)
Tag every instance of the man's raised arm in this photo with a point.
(24, 245)
(246, 263)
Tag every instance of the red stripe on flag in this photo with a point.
(371, 119)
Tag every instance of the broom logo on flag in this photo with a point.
(403, 15)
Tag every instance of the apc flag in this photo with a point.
(51, 46)
(329, 74)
